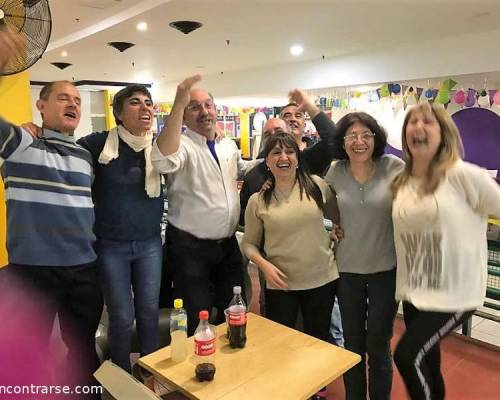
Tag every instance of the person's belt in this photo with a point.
(189, 237)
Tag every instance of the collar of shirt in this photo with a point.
(196, 137)
(51, 134)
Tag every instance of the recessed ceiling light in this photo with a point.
(64, 54)
(142, 26)
(296, 50)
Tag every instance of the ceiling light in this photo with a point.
(296, 50)
(142, 26)
(64, 54)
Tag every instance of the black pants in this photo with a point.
(368, 308)
(315, 304)
(417, 355)
(73, 293)
(204, 272)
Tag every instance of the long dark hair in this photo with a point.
(306, 184)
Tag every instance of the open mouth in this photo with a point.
(420, 141)
(359, 150)
(284, 165)
(146, 117)
(205, 121)
(70, 114)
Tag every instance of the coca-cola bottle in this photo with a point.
(237, 318)
(204, 348)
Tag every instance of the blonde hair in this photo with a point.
(450, 150)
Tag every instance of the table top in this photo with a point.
(276, 363)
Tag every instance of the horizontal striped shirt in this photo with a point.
(50, 214)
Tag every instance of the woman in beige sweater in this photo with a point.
(297, 261)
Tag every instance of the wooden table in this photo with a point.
(277, 363)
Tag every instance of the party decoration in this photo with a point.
(383, 91)
(459, 97)
(470, 100)
(483, 99)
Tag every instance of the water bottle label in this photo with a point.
(204, 347)
(237, 319)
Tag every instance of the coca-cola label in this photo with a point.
(204, 347)
(237, 319)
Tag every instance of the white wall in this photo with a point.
(85, 126)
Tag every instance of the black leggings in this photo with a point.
(417, 355)
(316, 304)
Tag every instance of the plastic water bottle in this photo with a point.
(178, 332)
(204, 349)
(237, 318)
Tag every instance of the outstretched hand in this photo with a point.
(12, 46)
(182, 96)
(304, 104)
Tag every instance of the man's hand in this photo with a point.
(32, 129)
(303, 102)
(182, 96)
(12, 45)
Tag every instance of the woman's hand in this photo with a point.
(337, 234)
(275, 276)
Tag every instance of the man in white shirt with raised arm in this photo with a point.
(204, 206)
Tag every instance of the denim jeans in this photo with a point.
(130, 276)
(368, 308)
(336, 334)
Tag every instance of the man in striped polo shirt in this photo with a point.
(50, 217)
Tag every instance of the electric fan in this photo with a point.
(31, 18)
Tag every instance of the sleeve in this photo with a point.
(94, 143)
(254, 227)
(330, 209)
(13, 140)
(244, 197)
(482, 191)
(319, 156)
(329, 178)
(171, 163)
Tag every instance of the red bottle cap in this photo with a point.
(203, 315)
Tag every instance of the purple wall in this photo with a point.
(480, 132)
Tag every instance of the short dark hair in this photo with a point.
(47, 89)
(291, 104)
(367, 120)
(125, 93)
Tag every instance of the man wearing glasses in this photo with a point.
(204, 208)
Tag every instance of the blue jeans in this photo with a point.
(126, 267)
(336, 334)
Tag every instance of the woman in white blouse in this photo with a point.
(440, 213)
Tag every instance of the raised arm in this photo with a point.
(170, 138)
(12, 137)
(318, 156)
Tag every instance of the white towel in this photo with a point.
(137, 143)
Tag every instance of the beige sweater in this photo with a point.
(296, 240)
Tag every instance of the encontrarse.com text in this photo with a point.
(53, 389)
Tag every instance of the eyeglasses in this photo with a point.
(208, 105)
(364, 136)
